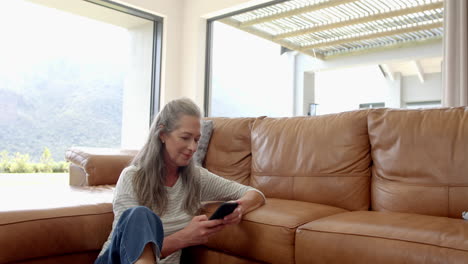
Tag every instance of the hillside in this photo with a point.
(59, 104)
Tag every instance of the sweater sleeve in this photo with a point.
(216, 188)
(124, 196)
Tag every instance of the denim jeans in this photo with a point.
(136, 227)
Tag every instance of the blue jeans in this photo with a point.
(136, 227)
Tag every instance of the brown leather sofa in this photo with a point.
(372, 186)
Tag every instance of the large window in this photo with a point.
(79, 73)
(250, 76)
(335, 56)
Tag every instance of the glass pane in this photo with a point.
(249, 75)
(72, 80)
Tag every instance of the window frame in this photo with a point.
(156, 64)
(209, 49)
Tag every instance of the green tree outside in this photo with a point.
(46, 160)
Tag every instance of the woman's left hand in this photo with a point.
(235, 217)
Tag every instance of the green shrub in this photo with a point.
(5, 162)
(20, 163)
(36, 167)
(61, 166)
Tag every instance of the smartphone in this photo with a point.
(223, 210)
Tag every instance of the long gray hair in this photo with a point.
(149, 181)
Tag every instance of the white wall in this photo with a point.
(172, 12)
(415, 91)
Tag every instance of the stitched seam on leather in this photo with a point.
(386, 238)
(300, 224)
(448, 200)
(79, 154)
(387, 181)
(255, 222)
(223, 167)
(316, 175)
(56, 217)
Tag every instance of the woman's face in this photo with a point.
(181, 144)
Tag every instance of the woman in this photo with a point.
(158, 196)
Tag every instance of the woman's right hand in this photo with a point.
(200, 229)
(195, 233)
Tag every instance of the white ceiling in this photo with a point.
(94, 11)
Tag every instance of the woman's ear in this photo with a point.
(162, 137)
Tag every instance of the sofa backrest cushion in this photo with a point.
(420, 160)
(229, 152)
(322, 159)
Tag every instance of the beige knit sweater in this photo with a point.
(213, 188)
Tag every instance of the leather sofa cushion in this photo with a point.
(267, 234)
(101, 165)
(382, 237)
(229, 154)
(55, 222)
(420, 161)
(203, 255)
(76, 258)
(322, 159)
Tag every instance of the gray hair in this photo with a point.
(149, 181)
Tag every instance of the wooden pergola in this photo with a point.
(327, 29)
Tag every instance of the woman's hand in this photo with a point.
(235, 217)
(250, 201)
(195, 233)
(200, 229)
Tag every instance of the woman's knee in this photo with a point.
(142, 212)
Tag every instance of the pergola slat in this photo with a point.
(382, 48)
(294, 12)
(374, 35)
(329, 28)
(360, 20)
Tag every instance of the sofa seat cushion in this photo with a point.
(267, 234)
(203, 255)
(54, 222)
(382, 237)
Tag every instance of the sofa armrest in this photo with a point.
(97, 166)
(77, 175)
